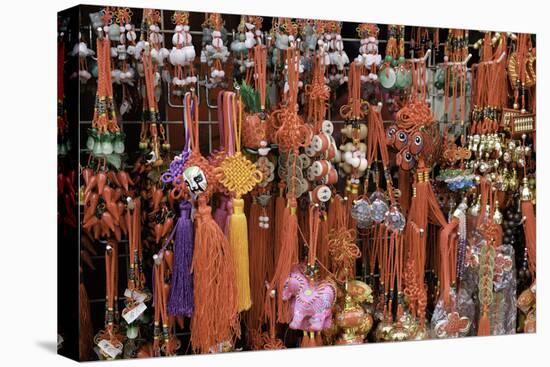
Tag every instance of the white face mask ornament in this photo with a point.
(195, 179)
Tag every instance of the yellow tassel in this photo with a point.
(238, 238)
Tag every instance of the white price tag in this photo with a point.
(135, 295)
(134, 313)
(107, 348)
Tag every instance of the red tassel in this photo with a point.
(530, 229)
(306, 341)
(318, 340)
(405, 189)
(311, 339)
(86, 334)
(484, 327)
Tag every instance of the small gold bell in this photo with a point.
(474, 209)
(383, 331)
(497, 216)
(81, 195)
(525, 191)
(513, 182)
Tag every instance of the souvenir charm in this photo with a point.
(241, 47)
(312, 303)
(387, 76)
(239, 176)
(214, 53)
(354, 321)
(182, 55)
(195, 179)
(336, 53)
(255, 126)
(83, 52)
(368, 51)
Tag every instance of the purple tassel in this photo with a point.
(181, 291)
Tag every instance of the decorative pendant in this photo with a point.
(238, 174)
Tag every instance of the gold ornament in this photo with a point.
(238, 174)
(352, 322)
(530, 325)
(398, 333)
(359, 291)
(349, 320)
(366, 325)
(513, 70)
(409, 323)
(383, 330)
(421, 334)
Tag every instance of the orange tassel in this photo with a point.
(352, 196)
(530, 229)
(306, 340)
(424, 205)
(336, 220)
(269, 239)
(484, 327)
(287, 258)
(280, 207)
(260, 265)
(405, 188)
(303, 224)
(311, 339)
(333, 207)
(215, 317)
(322, 245)
(445, 259)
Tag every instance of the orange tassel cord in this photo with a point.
(291, 134)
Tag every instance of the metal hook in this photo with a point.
(207, 95)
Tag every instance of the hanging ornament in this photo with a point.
(241, 47)
(313, 299)
(182, 56)
(214, 53)
(368, 51)
(239, 175)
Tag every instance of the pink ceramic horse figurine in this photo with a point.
(312, 302)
